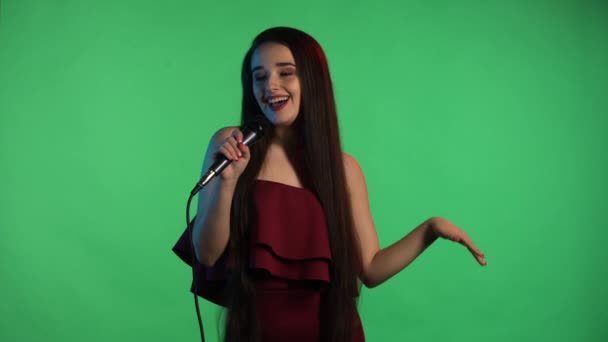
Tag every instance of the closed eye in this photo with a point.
(258, 78)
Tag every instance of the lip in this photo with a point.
(267, 99)
(277, 109)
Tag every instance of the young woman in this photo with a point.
(284, 236)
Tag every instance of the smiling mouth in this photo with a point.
(277, 102)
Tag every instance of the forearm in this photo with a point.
(391, 260)
(212, 225)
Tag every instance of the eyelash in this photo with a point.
(260, 78)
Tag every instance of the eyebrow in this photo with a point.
(280, 64)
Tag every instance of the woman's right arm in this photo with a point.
(211, 230)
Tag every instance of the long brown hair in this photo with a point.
(318, 130)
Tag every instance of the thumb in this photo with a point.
(238, 135)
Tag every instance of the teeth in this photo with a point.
(278, 99)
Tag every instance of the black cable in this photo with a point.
(253, 130)
(194, 284)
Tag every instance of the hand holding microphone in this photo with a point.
(233, 153)
(234, 150)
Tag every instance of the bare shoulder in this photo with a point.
(353, 171)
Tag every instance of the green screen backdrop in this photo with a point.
(491, 114)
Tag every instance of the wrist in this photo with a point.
(227, 184)
(431, 228)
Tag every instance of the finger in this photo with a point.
(231, 142)
(238, 135)
(228, 145)
(480, 257)
(481, 260)
(477, 254)
(471, 246)
(227, 153)
(244, 150)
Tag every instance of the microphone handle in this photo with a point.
(219, 166)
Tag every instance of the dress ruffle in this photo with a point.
(289, 242)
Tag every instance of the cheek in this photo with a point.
(257, 94)
(296, 89)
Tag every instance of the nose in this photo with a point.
(272, 82)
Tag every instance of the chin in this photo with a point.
(281, 120)
(286, 122)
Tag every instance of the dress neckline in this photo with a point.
(283, 185)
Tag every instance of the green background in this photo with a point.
(491, 114)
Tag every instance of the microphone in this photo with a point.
(252, 132)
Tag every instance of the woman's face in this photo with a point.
(276, 85)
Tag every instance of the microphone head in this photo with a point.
(255, 128)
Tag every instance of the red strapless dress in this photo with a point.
(290, 259)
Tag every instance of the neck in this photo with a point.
(285, 137)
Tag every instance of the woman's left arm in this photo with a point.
(378, 265)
